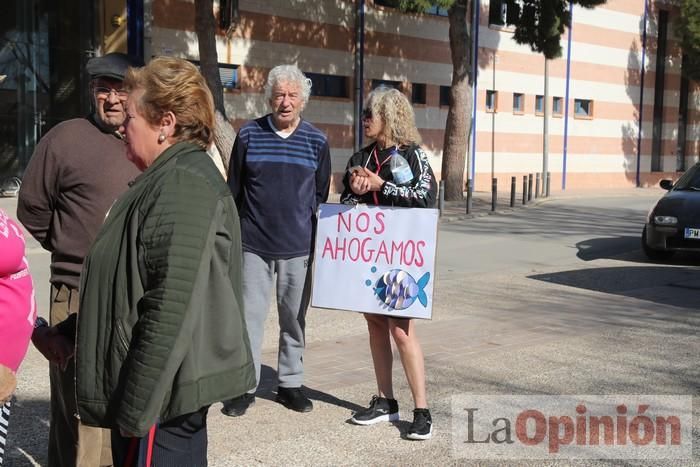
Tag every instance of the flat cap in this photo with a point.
(112, 65)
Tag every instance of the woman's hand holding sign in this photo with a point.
(359, 182)
(363, 180)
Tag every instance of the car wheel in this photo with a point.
(652, 253)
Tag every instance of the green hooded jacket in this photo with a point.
(161, 331)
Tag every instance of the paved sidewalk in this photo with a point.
(478, 342)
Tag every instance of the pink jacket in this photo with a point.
(17, 305)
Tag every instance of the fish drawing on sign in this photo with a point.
(397, 289)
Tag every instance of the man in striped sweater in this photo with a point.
(279, 173)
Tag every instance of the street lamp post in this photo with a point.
(545, 127)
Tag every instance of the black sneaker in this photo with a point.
(294, 399)
(238, 405)
(380, 410)
(422, 426)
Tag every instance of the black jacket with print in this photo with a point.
(420, 192)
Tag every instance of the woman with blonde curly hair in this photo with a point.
(389, 120)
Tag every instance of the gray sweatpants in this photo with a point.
(293, 292)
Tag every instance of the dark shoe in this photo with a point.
(380, 410)
(422, 426)
(238, 405)
(294, 399)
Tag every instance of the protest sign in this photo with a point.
(375, 259)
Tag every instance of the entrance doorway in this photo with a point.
(44, 45)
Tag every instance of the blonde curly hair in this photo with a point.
(393, 107)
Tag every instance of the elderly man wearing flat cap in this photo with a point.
(76, 172)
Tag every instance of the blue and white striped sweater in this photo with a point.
(278, 183)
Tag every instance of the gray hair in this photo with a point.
(289, 74)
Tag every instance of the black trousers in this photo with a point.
(180, 442)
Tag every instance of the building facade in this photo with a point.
(620, 73)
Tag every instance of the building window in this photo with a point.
(503, 14)
(445, 95)
(583, 108)
(431, 10)
(385, 82)
(388, 3)
(557, 106)
(436, 10)
(228, 74)
(539, 105)
(518, 103)
(491, 100)
(418, 93)
(328, 85)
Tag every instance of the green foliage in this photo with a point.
(538, 23)
(541, 23)
(418, 6)
(688, 31)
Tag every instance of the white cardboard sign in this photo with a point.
(375, 259)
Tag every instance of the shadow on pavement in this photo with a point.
(28, 433)
(313, 394)
(668, 285)
(606, 247)
(267, 389)
(627, 248)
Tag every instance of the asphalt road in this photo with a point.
(554, 299)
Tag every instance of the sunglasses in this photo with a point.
(367, 114)
(104, 93)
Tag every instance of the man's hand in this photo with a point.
(56, 347)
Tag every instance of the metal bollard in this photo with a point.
(469, 196)
(529, 187)
(549, 180)
(537, 185)
(494, 193)
(524, 189)
(512, 192)
(441, 198)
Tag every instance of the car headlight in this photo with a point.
(665, 220)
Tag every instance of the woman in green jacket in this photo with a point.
(162, 335)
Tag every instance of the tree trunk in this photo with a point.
(205, 26)
(459, 114)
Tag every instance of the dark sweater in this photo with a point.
(74, 176)
(278, 183)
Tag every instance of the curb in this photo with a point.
(447, 217)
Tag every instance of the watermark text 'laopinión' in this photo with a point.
(572, 426)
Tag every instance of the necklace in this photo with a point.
(375, 153)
